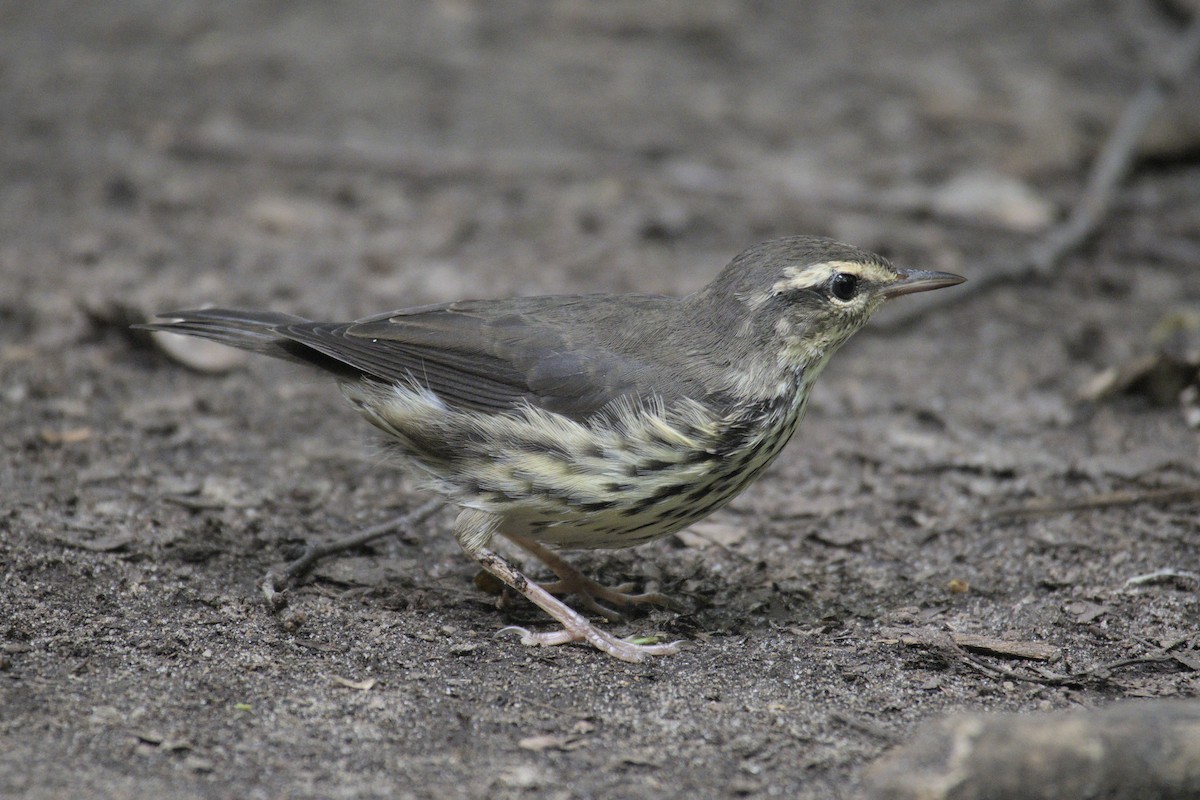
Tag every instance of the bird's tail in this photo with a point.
(250, 330)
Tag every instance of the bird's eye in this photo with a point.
(843, 285)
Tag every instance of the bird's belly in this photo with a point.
(640, 474)
(626, 524)
(653, 505)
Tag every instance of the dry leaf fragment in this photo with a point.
(66, 436)
(200, 355)
(362, 686)
(549, 741)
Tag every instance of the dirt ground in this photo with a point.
(336, 160)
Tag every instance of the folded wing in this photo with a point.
(481, 355)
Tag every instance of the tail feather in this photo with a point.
(257, 331)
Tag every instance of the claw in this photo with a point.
(531, 639)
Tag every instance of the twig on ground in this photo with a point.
(1042, 506)
(960, 645)
(1161, 576)
(1100, 672)
(1043, 256)
(274, 583)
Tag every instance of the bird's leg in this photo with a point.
(576, 627)
(474, 530)
(572, 581)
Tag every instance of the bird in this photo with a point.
(590, 421)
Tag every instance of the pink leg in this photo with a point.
(576, 628)
(572, 581)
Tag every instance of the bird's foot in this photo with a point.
(601, 640)
(575, 626)
(590, 592)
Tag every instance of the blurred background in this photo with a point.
(339, 159)
(417, 151)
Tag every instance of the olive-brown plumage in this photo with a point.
(591, 420)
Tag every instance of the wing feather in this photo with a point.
(478, 355)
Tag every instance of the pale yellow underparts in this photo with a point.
(570, 484)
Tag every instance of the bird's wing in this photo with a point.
(477, 355)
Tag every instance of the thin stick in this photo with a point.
(1099, 673)
(1107, 500)
(1043, 256)
(274, 583)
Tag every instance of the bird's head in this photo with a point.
(801, 297)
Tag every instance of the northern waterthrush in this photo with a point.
(591, 421)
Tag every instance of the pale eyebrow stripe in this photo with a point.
(816, 274)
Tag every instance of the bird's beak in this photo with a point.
(920, 280)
